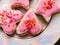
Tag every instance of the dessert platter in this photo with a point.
(29, 22)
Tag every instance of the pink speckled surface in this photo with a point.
(10, 18)
(42, 10)
(35, 29)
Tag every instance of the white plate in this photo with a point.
(48, 37)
